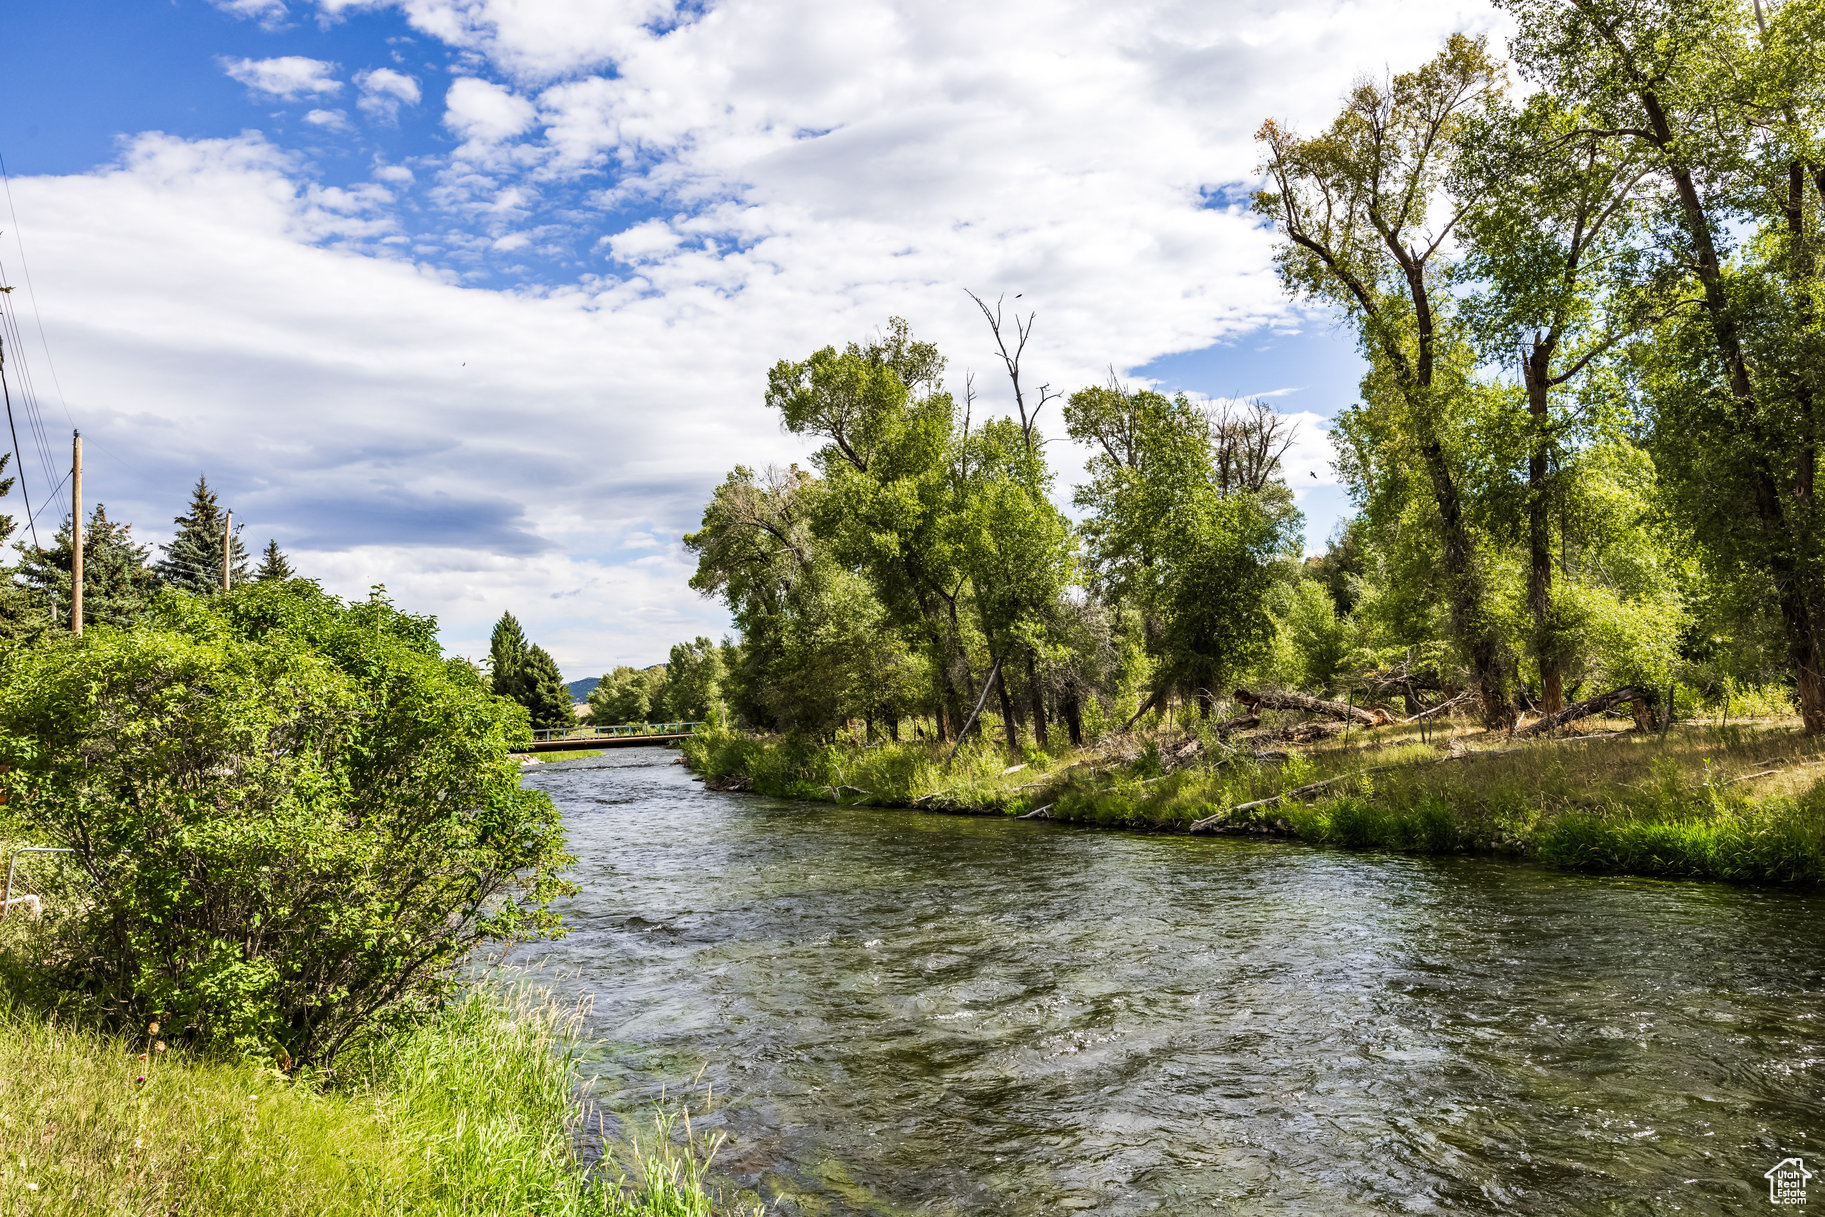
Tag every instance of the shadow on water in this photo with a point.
(944, 1015)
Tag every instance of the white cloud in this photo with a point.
(798, 171)
(285, 78)
(267, 12)
(329, 120)
(383, 91)
(483, 112)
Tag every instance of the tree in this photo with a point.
(622, 696)
(888, 429)
(1353, 205)
(544, 693)
(192, 562)
(1185, 518)
(117, 585)
(693, 680)
(1724, 108)
(296, 818)
(23, 612)
(508, 654)
(273, 565)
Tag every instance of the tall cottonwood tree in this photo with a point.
(1722, 102)
(1551, 236)
(1360, 209)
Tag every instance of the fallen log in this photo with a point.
(1038, 813)
(1583, 709)
(1311, 705)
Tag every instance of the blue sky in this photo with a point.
(476, 298)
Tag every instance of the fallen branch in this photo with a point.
(1311, 705)
(1038, 813)
(1301, 792)
(1443, 706)
(1583, 709)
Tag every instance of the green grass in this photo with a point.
(472, 1114)
(1744, 802)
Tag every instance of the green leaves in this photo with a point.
(296, 816)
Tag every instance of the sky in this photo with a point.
(476, 298)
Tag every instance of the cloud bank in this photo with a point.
(673, 199)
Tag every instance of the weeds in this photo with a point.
(471, 1114)
(1743, 802)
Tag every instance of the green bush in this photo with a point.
(294, 815)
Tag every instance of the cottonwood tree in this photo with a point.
(1552, 234)
(1722, 103)
(888, 427)
(1360, 209)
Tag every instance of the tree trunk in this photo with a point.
(1537, 371)
(893, 727)
(1595, 705)
(1009, 727)
(1074, 719)
(1312, 705)
(1038, 695)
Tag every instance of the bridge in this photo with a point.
(627, 735)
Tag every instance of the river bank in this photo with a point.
(1744, 802)
(473, 1112)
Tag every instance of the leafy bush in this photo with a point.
(296, 818)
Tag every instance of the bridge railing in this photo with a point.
(616, 732)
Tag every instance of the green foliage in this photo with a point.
(627, 695)
(545, 695)
(192, 561)
(117, 585)
(295, 816)
(693, 681)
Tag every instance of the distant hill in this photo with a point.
(579, 689)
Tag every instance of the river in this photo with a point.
(905, 1013)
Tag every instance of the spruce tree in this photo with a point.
(507, 655)
(193, 560)
(546, 697)
(22, 614)
(117, 584)
(273, 566)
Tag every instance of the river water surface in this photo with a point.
(907, 1013)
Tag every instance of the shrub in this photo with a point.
(295, 816)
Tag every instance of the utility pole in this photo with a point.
(76, 534)
(227, 545)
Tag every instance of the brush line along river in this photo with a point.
(906, 1013)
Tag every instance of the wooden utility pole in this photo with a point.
(76, 534)
(227, 545)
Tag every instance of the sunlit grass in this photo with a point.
(472, 1114)
(1744, 801)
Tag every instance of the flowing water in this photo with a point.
(906, 1013)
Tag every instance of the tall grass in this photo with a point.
(1744, 802)
(472, 1114)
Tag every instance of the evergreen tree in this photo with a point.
(117, 584)
(507, 654)
(544, 693)
(193, 560)
(273, 566)
(22, 614)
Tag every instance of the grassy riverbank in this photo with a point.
(472, 1114)
(1744, 802)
